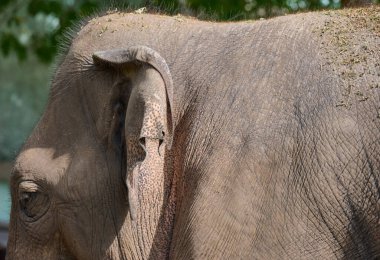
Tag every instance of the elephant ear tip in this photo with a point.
(100, 57)
(108, 57)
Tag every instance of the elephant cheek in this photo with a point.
(34, 249)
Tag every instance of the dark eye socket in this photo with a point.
(28, 203)
(33, 202)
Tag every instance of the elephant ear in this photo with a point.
(119, 57)
(148, 122)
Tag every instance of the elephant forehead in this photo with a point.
(40, 162)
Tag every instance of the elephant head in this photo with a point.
(94, 179)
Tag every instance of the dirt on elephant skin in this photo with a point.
(350, 40)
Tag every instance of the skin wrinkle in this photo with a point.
(111, 201)
(330, 165)
(245, 138)
(301, 125)
(376, 182)
(115, 226)
(321, 212)
(55, 93)
(89, 117)
(113, 214)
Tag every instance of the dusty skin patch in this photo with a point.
(350, 41)
(37, 163)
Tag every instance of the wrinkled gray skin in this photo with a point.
(167, 137)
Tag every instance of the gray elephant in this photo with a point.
(173, 138)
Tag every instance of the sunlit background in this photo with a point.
(31, 32)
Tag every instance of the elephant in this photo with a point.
(168, 137)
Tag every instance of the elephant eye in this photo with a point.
(33, 202)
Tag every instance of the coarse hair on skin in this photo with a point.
(106, 8)
(117, 6)
(150, 7)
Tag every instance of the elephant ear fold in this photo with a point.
(148, 117)
(136, 54)
(149, 109)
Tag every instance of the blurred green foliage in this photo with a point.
(23, 93)
(32, 30)
(37, 25)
